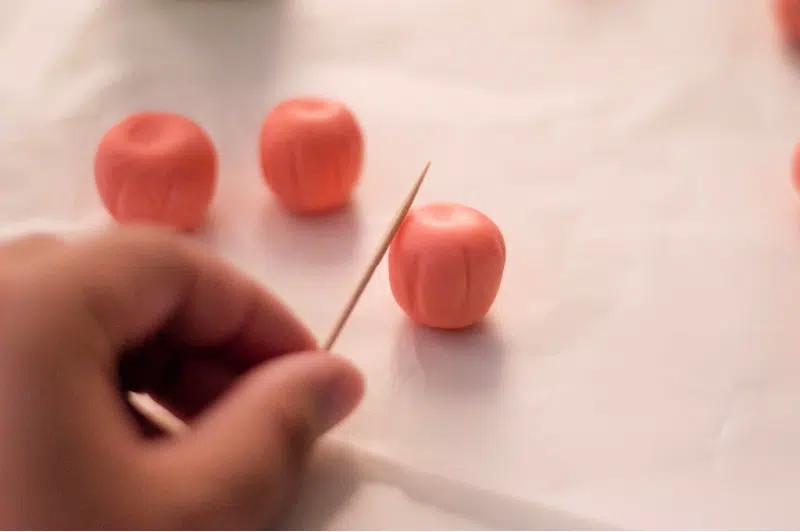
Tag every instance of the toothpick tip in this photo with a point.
(367, 275)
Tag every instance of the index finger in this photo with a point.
(136, 282)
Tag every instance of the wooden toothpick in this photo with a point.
(376, 259)
(171, 424)
(156, 414)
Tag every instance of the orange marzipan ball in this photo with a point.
(156, 168)
(312, 152)
(446, 264)
(795, 167)
(787, 17)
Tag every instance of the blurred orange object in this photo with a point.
(156, 168)
(787, 17)
(312, 152)
(446, 264)
(796, 167)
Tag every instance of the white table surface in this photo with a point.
(641, 367)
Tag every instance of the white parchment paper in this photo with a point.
(641, 366)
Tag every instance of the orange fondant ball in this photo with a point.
(796, 167)
(312, 151)
(787, 17)
(156, 168)
(445, 265)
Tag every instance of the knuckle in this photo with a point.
(23, 294)
(152, 244)
(157, 239)
(20, 254)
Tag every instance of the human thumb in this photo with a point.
(242, 461)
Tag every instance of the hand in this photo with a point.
(138, 309)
